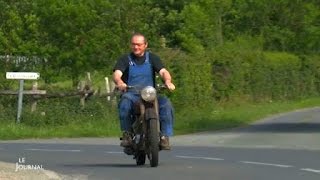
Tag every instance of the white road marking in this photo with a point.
(311, 170)
(200, 157)
(114, 152)
(266, 164)
(55, 150)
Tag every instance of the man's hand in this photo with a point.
(122, 86)
(170, 85)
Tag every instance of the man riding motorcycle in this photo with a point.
(138, 68)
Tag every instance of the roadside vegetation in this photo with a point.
(99, 119)
(233, 62)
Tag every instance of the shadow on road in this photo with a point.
(282, 128)
(103, 165)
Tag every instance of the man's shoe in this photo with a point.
(164, 143)
(126, 140)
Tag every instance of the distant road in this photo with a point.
(285, 146)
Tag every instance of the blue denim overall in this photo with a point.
(141, 76)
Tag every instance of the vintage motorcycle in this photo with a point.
(145, 130)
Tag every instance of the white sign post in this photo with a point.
(21, 76)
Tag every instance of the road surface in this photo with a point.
(284, 146)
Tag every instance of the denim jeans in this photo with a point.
(126, 105)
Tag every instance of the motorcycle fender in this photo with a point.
(150, 114)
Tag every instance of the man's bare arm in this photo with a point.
(117, 74)
(166, 77)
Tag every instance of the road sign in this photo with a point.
(23, 75)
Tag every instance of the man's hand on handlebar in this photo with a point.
(122, 87)
(170, 86)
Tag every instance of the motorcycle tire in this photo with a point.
(153, 143)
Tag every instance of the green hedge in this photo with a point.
(241, 71)
(191, 75)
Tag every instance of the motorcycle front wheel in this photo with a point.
(153, 142)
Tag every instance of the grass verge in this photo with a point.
(234, 115)
(188, 120)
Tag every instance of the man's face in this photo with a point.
(138, 45)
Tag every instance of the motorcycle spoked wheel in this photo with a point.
(153, 143)
(141, 158)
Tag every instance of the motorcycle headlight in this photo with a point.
(148, 93)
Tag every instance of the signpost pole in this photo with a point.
(20, 99)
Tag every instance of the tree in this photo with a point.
(201, 24)
(19, 35)
(79, 35)
(285, 25)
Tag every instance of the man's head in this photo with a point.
(139, 44)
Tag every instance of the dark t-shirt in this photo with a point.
(123, 64)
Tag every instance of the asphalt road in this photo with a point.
(285, 146)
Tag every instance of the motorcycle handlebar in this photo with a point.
(158, 87)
